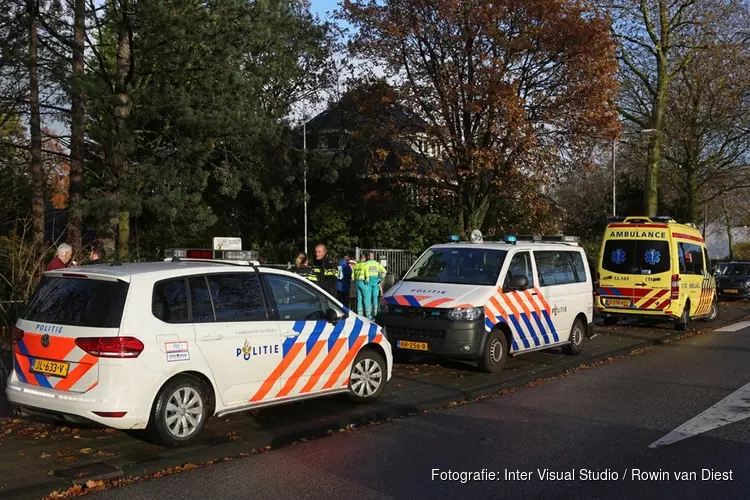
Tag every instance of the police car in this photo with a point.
(484, 301)
(164, 346)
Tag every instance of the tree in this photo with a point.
(506, 88)
(656, 41)
(35, 163)
(77, 125)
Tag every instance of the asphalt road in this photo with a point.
(596, 423)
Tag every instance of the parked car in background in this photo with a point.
(734, 282)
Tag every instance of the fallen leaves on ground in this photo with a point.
(104, 454)
(232, 436)
(45, 455)
(86, 451)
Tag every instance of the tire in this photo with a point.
(169, 424)
(682, 323)
(577, 335)
(495, 353)
(713, 313)
(367, 378)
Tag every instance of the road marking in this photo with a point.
(729, 410)
(734, 327)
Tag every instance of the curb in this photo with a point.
(307, 431)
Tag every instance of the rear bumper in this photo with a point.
(62, 406)
(444, 338)
(742, 293)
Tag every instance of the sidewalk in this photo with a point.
(32, 455)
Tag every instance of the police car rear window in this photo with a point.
(636, 256)
(84, 302)
(463, 266)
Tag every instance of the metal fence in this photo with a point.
(397, 261)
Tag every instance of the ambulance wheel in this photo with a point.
(713, 313)
(682, 323)
(179, 412)
(367, 379)
(495, 353)
(577, 334)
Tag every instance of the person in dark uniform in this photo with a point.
(325, 270)
(302, 267)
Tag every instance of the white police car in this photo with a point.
(484, 301)
(164, 346)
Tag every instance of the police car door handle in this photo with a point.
(208, 338)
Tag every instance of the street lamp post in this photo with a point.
(647, 131)
(304, 171)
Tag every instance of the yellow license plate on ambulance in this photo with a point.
(617, 302)
(417, 346)
(56, 368)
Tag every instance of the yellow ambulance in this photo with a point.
(654, 267)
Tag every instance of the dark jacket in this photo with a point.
(326, 273)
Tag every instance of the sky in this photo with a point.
(324, 7)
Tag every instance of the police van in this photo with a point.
(164, 346)
(653, 267)
(485, 301)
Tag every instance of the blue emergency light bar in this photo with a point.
(511, 239)
(455, 238)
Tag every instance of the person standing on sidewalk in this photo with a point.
(325, 270)
(63, 258)
(344, 279)
(375, 276)
(360, 280)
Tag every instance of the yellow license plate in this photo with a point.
(731, 291)
(55, 368)
(417, 346)
(617, 302)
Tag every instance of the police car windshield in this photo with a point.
(461, 266)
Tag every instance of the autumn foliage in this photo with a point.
(508, 88)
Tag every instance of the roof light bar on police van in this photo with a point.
(551, 238)
(209, 254)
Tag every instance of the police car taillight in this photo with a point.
(16, 335)
(111, 347)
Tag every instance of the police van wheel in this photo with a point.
(495, 353)
(577, 334)
(367, 378)
(179, 413)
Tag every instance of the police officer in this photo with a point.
(302, 267)
(325, 270)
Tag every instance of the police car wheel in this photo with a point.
(495, 353)
(367, 378)
(577, 334)
(179, 413)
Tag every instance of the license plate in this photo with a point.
(617, 302)
(731, 291)
(417, 346)
(55, 368)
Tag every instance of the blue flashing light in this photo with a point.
(455, 238)
(512, 239)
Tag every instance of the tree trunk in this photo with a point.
(729, 223)
(121, 111)
(77, 128)
(35, 125)
(653, 165)
(692, 195)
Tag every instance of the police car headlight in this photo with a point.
(465, 314)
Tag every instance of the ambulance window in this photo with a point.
(200, 300)
(169, 301)
(237, 297)
(636, 256)
(691, 258)
(618, 256)
(520, 265)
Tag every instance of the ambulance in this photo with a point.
(653, 267)
(485, 301)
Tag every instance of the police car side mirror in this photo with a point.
(519, 282)
(332, 316)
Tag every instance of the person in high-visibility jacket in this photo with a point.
(359, 276)
(375, 276)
